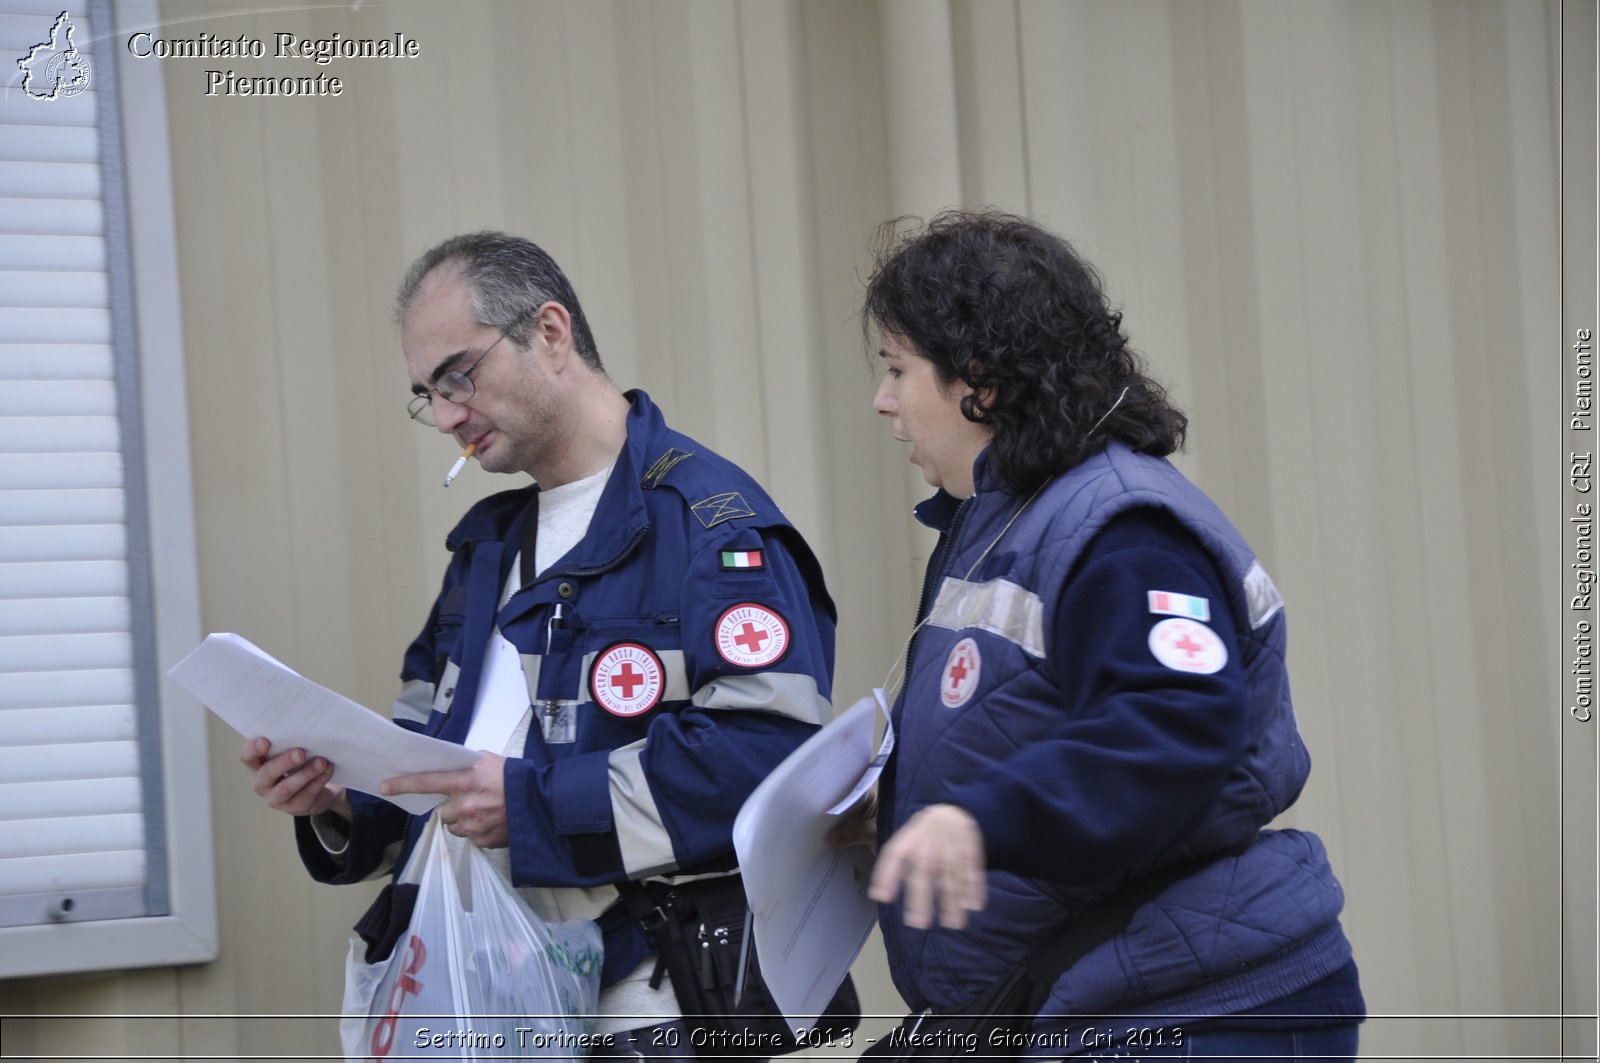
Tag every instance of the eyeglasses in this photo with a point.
(454, 386)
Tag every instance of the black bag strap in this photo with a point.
(527, 563)
(639, 904)
(673, 951)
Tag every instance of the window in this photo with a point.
(105, 841)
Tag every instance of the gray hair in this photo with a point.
(509, 278)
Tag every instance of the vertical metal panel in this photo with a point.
(130, 415)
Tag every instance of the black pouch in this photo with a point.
(699, 932)
(980, 1028)
(387, 919)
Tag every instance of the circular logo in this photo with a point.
(960, 676)
(1186, 646)
(751, 636)
(67, 73)
(627, 679)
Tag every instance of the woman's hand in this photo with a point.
(937, 858)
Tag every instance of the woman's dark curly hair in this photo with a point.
(1013, 311)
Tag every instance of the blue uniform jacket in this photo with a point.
(673, 657)
(1103, 687)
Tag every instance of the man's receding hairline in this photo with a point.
(436, 276)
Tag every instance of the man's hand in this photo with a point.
(938, 858)
(476, 809)
(292, 782)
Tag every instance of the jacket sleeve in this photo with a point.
(1143, 748)
(758, 656)
(375, 837)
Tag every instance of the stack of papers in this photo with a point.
(260, 697)
(809, 900)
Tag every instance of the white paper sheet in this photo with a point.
(869, 778)
(812, 914)
(257, 695)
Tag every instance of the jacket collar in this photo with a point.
(939, 511)
(622, 502)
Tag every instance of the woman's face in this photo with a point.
(926, 412)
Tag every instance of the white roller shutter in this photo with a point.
(68, 688)
(84, 805)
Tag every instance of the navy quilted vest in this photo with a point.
(1251, 927)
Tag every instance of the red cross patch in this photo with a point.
(626, 679)
(960, 677)
(1187, 646)
(751, 636)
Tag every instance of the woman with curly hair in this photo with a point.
(1094, 726)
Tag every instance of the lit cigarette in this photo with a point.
(461, 463)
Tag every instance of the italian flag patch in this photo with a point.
(1187, 605)
(732, 559)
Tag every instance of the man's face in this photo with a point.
(513, 413)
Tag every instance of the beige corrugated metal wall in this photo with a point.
(1333, 228)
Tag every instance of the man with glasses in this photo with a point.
(634, 641)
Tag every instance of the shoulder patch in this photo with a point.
(658, 471)
(729, 505)
(751, 635)
(1185, 646)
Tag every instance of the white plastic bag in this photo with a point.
(476, 975)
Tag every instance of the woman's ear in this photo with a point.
(978, 400)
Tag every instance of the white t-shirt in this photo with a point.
(564, 516)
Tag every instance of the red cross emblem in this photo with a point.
(627, 679)
(749, 635)
(1188, 646)
(751, 638)
(961, 671)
